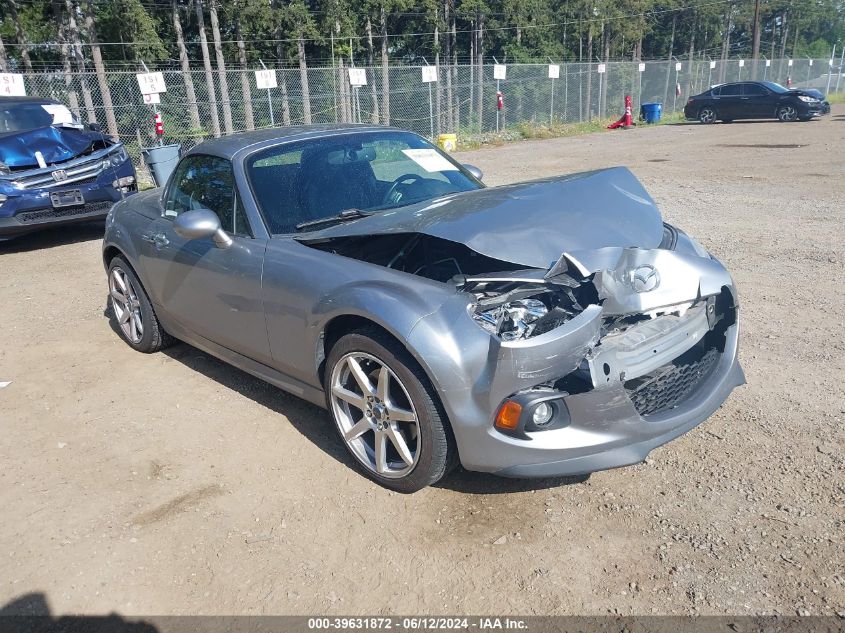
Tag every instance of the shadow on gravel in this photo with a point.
(316, 424)
(57, 236)
(30, 613)
(472, 483)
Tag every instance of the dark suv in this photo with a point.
(53, 169)
(752, 100)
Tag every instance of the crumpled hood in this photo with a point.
(532, 223)
(56, 144)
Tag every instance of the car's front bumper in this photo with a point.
(607, 432)
(30, 210)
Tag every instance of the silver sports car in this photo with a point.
(546, 328)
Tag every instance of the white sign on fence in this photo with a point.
(500, 71)
(768, 63)
(811, 62)
(642, 67)
(600, 70)
(152, 99)
(554, 71)
(789, 63)
(265, 79)
(151, 83)
(429, 74)
(11, 85)
(678, 66)
(357, 77)
(741, 63)
(712, 65)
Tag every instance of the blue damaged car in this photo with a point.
(53, 170)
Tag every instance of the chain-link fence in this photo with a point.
(199, 105)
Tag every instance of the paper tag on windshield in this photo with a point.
(429, 160)
(59, 113)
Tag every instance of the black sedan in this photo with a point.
(752, 100)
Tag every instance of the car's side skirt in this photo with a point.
(244, 363)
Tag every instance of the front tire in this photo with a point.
(386, 412)
(787, 114)
(707, 115)
(132, 311)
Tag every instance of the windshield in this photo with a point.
(297, 183)
(771, 85)
(20, 117)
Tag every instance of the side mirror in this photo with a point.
(475, 171)
(201, 224)
(95, 127)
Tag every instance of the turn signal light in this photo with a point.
(508, 416)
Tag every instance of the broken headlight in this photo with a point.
(119, 156)
(512, 320)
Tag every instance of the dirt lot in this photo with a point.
(174, 484)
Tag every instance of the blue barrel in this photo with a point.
(650, 112)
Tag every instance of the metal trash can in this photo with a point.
(650, 112)
(161, 160)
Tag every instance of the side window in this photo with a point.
(207, 182)
(753, 90)
(729, 90)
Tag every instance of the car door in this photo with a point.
(728, 102)
(757, 101)
(210, 291)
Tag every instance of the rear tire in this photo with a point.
(386, 412)
(707, 115)
(132, 311)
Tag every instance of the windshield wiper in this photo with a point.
(343, 216)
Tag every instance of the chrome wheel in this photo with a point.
(375, 415)
(125, 305)
(707, 115)
(787, 113)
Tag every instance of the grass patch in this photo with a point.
(528, 130)
(836, 97)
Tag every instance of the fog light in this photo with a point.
(543, 413)
(126, 181)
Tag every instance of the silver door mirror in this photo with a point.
(201, 224)
(475, 171)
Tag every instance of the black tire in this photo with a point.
(153, 337)
(435, 444)
(707, 115)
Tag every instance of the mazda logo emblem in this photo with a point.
(59, 175)
(645, 278)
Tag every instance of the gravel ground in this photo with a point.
(173, 484)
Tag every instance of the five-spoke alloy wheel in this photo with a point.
(386, 412)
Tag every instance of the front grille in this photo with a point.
(77, 171)
(45, 215)
(670, 385)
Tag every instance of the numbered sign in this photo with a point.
(678, 67)
(265, 79)
(429, 74)
(554, 71)
(642, 67)
(811, 61)
(152, 99)
(789, 63)
(11, 85)
(500, 71)
(741, 63)
(768, 63)
(151, 83)
(600, 70)
(712, 65)
(357, 77)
